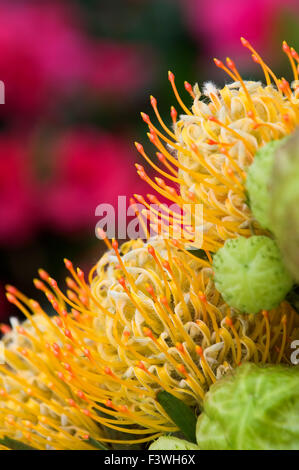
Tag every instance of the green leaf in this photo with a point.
(180, 414)
(15, 445)
(96, 444)
(199, 253)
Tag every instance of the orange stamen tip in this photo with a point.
(164, 301)
(21, 331)
(199, 350)
(188, 86)
(81, 395)
(161, 157)
(147, 332)
(153, 101)
(151, 250)
(244, 42)
(114, 244)
(11, 289)
(68, 263)
(43, 274)
(101, 233)
(180, 347)
(71, 402)
(173, 113)
(250, 114)
(285, 47)
(182, 369)
(109, 403)
(52, 283)
(218, 62)
(85, 412)
(85, 437)
(166, 265)
(122, 282)
(202, 297)
(11, 298)
(139, 147)
(228, 321)
(68, 334)
(265, 313)
(150, 290)
(170, 76)
(230, 63)
(5, 329)
(213, 119)
(145, 117)
(108, 371)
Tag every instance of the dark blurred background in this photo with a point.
(77, 74)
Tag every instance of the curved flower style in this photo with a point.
(149, 318)
(211, 147)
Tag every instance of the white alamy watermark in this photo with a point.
(295, 354)
(132, 221)
(2, 92)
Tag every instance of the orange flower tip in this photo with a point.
(182, 369)
(153, 101)
(218, 62)
(141, 366)
(213, 119)
(202, 297)
(109, 403)
(11, 289)
(52, 283)
(126, 333)
(148, 332)
(85, 437)
(24, 352)
(160, 181)
(161, 157)
(250, 114)
(58, 322)
(286, 117)
(145, 118)
(3, 392)
(60, 376)
(139, 147)
(21, 331)
(11, 298)
(71, 402)
(188, 86)
(166, 265)
(86, 412)
(140, 167)
(171, 76)
(199, 350)
(151, 250)
(4, 329)
(230, 63)
(190, 195)
(265, 313)
(68, 334)
(255, 58)
(81, 395)
(87, 353)
(43, 274)
(294, 54)
(179, 347)
(132, 201)
(123, 409)
(122, 282)
(211, 142)
(114, 244)
(173, 113)
(244, 42)
(228, 321)
(107, 370)
(150, 290)
(285, 47)
(164, 301)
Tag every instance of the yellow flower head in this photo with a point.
(211, 147)
(149, 318)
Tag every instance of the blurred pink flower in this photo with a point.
(219, 24)
(17, 197)
(42, 53)
(88, 168)
(119, 68)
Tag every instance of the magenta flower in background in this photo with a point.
(88, 168)
(219, 24)
(17, 192)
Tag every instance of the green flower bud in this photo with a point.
(172, 443)
(285, 202)
(250, 275)
(258, 180)
(256, 408)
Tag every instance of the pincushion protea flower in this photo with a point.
(212, 145)
(149, 318)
